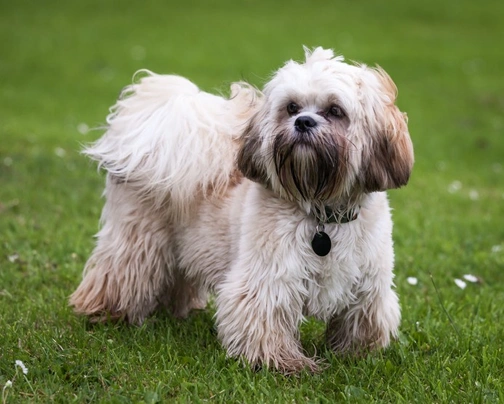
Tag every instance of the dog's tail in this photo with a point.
(170, 140)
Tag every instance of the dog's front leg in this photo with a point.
(368, 323)
(258, 314)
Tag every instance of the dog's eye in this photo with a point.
(292, 108)
(337, 111)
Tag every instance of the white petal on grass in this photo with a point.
(7, 161)
(24, 369)
(473, 195)
(412, 280)
(8, 383)
(460, 283)
(470, 278)
(455, 186)
(13, 257)
(83, 128)
(60, 152)
(496, 248)
(5, 292)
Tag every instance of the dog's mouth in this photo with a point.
(303, 138)
(307, 165)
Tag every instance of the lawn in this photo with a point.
(62, 64)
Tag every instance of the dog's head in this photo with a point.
(327, 130)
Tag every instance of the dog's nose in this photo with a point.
(304, 123)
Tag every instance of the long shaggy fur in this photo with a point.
(206, 193)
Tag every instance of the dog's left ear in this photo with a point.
(249, 159)
(389, 160)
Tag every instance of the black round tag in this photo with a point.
(321, 244)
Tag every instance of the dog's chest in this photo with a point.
(330, 280)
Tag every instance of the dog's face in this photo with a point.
(327, 131)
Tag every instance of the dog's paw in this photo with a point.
(287, 365)
(296, 365)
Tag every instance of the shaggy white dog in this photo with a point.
(272, 200)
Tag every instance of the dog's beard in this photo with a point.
(309, 166)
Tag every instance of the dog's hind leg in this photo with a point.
(132, 265)
(184, 295)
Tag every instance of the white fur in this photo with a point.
(168, 137)
(180, 220)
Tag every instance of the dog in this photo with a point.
(272, 200)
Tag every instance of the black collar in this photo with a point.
(338, 216)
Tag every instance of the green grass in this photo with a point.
(62, 64)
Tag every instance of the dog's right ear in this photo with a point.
(249, 159)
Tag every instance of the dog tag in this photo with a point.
(321, 243)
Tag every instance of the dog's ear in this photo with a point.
(389, 159)
(249, 159)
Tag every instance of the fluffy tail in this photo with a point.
(167, 138)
